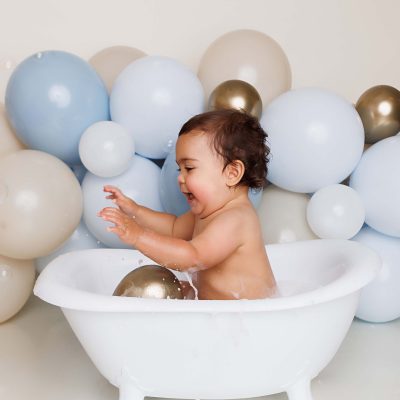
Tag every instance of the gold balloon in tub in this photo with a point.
(150, 281)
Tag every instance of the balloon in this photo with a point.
(249, 56)
(172, 199)
(236, 94)
(380, 300)
(110, 61)
(80, 239)
(335, 212)
(282, 216)
(150, 281)
(40, 204)
(376, 180)
(7, 66)
(8, 140)
(51, 98)
(106, 149)
(139, 182)
(379, 109)
(152, 98)
(16, 283)
(316, 139)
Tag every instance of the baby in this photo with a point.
(220, 155)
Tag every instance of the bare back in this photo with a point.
(245, 273)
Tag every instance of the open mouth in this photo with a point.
(189, 196)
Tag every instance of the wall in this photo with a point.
(343, 45)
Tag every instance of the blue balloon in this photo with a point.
(51, 98)
(172, 199)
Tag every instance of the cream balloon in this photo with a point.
(16, 283)
(249, 56)
(282, 216)
(40, 204)
(9, 142)
(335, 212)
(106, 149)
(110, 61)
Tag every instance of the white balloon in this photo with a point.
(106, 148)
(80, 239)
(282, 216)
(316, 139)
(335, 212)
(380, 300)
(152, 98)
(377, 180)
(140, 182)
(16, 283)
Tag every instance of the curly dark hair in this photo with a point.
(235, 135)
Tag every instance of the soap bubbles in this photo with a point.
(377, 180)
(335, 212)
(316, 139)
(106, 149)
(152, 98)
(51, 98)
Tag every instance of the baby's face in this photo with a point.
(201, 178)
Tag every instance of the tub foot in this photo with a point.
(128, 391)
(300, 391)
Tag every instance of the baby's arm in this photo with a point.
(212, 246)
(160, 222)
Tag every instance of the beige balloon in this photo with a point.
(40, 204)
(8, 140)
(250, 56)
(16, 283)
(111, 61)
(283, 217)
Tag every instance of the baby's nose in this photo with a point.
(181, 179)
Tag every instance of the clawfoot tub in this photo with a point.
(213, 349)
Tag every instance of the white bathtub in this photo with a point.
(212, 349)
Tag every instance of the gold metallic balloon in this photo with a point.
(379, 109)
(238, 95)
(150, 281)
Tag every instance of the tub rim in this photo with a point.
(366, 263)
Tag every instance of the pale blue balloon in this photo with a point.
(172, 199)
(51, 98)
(152, 98)
(140, 182)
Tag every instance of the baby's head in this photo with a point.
(235, 135)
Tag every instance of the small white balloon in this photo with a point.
(106, 149)
(380, 300)
(335, 212)
(376, 180)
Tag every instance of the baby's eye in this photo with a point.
(178, 169)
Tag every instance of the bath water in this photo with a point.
(189, 278)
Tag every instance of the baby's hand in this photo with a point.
(124, 226)
(127, 205)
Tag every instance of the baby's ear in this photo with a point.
(234, 172)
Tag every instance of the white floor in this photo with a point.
(41, 359)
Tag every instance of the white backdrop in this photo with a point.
(343, 45)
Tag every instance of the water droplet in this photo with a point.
(39, 55)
